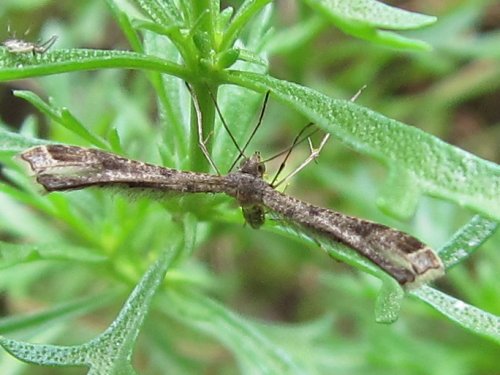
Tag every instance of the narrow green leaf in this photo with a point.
(68, 310)
(248, 56)
(243, 15)
(363, 18)
(287, 40)
(21, 221)
(255, 353)
(110, 352)
(161, 12)
(388, 304)
(468, 239)
(399, 191)
(373, 13)
(48, 355)
(12, 254)
(26, 197)
(11, 142)
(60, 61)
(467, 316)
(422, 161)
(71, 123)
(125, 24)
(391, 295)
(115, 141)
(223, 19)
(173, 101)
(398, 41)
(482, 46)
(227, 58)
(63, 117)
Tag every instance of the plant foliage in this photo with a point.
(84, 247)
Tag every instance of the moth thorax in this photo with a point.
(253, 166)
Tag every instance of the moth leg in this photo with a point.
(312, 156)
(201, 140)
(42, 48)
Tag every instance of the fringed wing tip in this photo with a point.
(427, 266)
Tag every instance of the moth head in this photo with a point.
(253, 165)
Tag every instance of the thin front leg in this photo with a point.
(201, 140)
(314, 151)
(312, 156)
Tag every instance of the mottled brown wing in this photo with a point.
(401, 255)
(60, 167)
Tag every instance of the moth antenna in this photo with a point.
(224, 124)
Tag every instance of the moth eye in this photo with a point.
(261, 168)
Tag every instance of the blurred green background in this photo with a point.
(318, 307)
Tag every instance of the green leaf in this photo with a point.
(255, 353)
(373, 13)
(243, 15)
(418, 162)
(11, 142)
(389, 299)
(12, 254)
(363, 18)
(468, 239)
(63, 117)
(68, 310)
(161, 12)
(467, 316)
(110, 352)
(287, 40)
(60, 61)
(125, 25)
